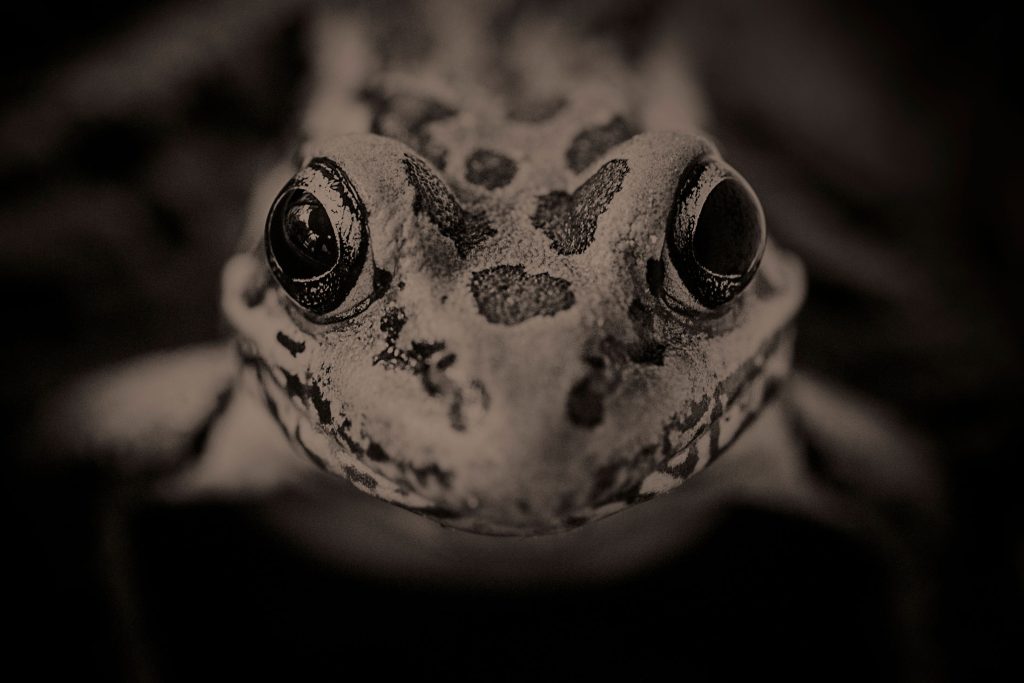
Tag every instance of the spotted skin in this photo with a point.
(590, 144)
(490, 169)
(294, 347)
(513, 357)
(507, 295)
(407, 118)
(465, 229)
(570, 221)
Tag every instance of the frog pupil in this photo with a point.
(728, 235)
(307, 232)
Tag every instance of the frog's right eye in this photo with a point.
(716, 237)
(317, 241)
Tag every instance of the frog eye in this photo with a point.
(716, 237)
(316, 240)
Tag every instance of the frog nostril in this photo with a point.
(728, 236)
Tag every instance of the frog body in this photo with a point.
(512, 289)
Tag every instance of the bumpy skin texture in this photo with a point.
(518, 353)
(496, 383)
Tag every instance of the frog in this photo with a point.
(505, 283)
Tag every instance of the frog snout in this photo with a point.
(531, 449)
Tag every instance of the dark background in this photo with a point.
(883, 141)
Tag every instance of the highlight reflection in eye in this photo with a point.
(307, 231)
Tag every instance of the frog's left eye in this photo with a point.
(317, 240)
(716, 237)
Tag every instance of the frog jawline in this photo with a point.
(754, 386)
(711, 439)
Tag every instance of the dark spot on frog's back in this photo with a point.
(591, 143)
(433, 199)
(406, 118)
(570, 221)
(508, 295)
(489, 169)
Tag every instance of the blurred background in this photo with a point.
(883, 143)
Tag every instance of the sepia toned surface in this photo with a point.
(150, 150)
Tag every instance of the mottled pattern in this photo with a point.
(466, 230)
(424, 476)
(392, 395)
(508, 295)
(648, 349)
(406, 117)
(419, 359)
(311, 394)
(489, 169)
(360, 479)
(621, 479)
(570, 221)
(585, 405)
(413, 358)
(293, 347)
(406, 475)
(589, 145)
(524, 371)
(677, 426)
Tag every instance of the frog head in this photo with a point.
(516, 344)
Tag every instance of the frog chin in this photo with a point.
(357, 533)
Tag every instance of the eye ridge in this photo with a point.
(318, 282)
(716, 224)
(340, 183)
